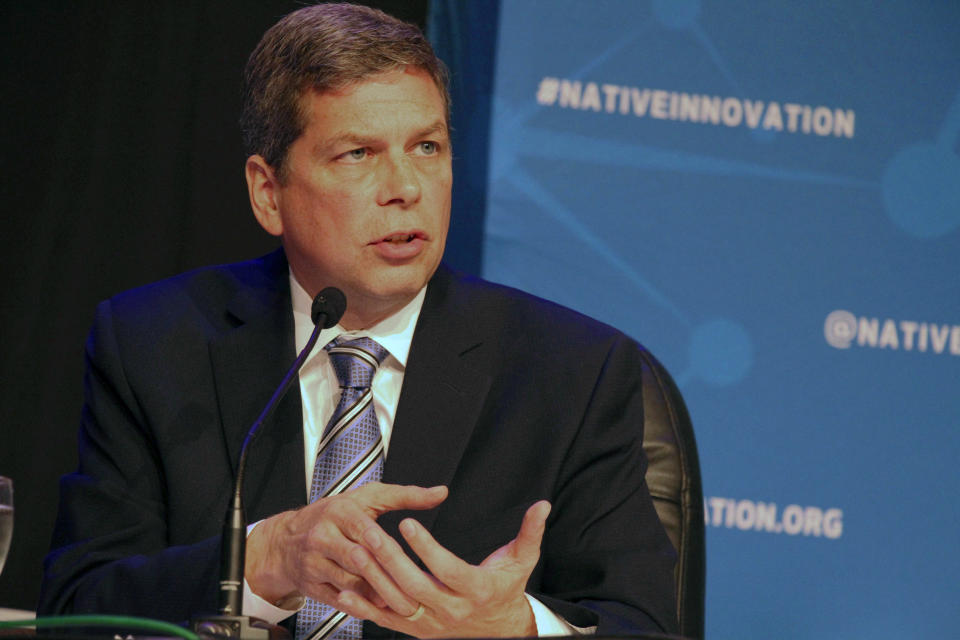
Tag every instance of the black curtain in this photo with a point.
(122, 164)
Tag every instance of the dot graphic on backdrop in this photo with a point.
(921, 190)
(676, 14)
(720, 352)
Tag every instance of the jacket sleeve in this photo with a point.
(112, 551)
(606, 559)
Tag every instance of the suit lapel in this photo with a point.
(444, 388)
(249, 361)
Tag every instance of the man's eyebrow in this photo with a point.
(439, 126)
(347, 138)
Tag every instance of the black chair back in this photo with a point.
(673, 476)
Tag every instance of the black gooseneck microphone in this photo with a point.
(327, 309)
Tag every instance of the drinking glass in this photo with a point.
(6, 517)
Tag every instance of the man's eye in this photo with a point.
(355, 154)
(429, 148)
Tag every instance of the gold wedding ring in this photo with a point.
(416, 614)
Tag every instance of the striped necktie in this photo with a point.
(350, 454)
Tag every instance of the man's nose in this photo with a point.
(400, 182)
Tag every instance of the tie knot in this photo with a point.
(355, 361)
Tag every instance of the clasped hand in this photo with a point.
(334, 551)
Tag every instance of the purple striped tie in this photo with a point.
(350, 454)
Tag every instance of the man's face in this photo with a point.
(365, 204)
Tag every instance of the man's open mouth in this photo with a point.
(398, 239)
(401, 238)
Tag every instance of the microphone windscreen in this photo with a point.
(329, 303)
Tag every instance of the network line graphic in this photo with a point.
(920, 186)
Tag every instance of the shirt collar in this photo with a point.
(394, 333)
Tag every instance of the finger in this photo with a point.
(355, 511)
(526, 546)
(359, 607)
(385, 591)
(324, 593)
(346, 515)
(380, 498)
(358, 586)
(330, 595)
(322, 570)
(346, 518)
(331, 545)
(325, 579)
(412, 580)
(347, 564)
(455, 573)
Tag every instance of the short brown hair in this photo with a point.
(322, 48)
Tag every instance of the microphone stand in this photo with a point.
(327, 309)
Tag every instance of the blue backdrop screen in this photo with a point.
(767, 195)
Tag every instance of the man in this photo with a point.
(511, 498)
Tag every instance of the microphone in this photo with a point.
(327, 309)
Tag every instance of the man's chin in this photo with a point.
(400, 281)
(375, 301)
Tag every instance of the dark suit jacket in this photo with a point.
(506, 399)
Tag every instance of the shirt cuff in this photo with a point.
(550, 624)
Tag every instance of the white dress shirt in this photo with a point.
(320, 392)
(319, 387)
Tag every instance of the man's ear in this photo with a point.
(263, 186)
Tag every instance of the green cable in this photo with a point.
(103, 621)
